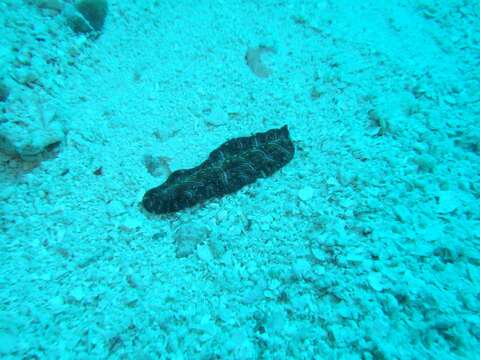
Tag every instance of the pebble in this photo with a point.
(6, 192)
(115, 208)
(7, 343)
(56, 304)
(450, 100)
(448, 201)
(319, 254)
(331, 181)
(265, 226)
(204, 253)
(25, 76)
(402, 213)
(426, 163)
(302, 268)
(130, 224)
(306, 193)
(78, 294)
(217, 117)
(375, 281)
(187, 237)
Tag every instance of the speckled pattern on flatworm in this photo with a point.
(236, 163)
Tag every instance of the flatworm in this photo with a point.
(236, 163)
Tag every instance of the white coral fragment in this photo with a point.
(31, 138)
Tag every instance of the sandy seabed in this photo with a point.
(365, 246)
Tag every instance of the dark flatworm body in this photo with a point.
(236, 163)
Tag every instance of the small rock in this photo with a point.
(25, 76)
(115, 208)
(425, 163)
(87, 16)
(302, 268)
(188, 237)
(319, 254)
(56, 5)
(450, 100)
(448, 201)
(253, 58)
(157, 166)
(375, 281)
(78, 294)
(6, 193)
(306, 193)
(331, 181)
(94, 11)
(24, 57)
(217, 117)
(217, 247)
(38, 139)
(78, 24)
(402, 213)
(8, 343)
(203, 252)
(265, 226)
(276, 322)
(130, 224)
(56, 303)
(379, 120)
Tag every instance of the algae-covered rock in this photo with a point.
(54, 5)
(78, 24)
(4, 91)
(94, 11)
(87, 16)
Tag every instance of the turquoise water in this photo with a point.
(364, 246)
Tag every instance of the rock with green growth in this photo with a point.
(53, 5)
(94, 11)
(87, 16)
(4, 91)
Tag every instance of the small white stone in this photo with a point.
(45, 277)
(6, 192)
(217, 117)
(8, 343)
(217, 247)
(332, 181)
(320, 270)
(448, 201)
(115, 208)
(203, 252)
(306, 193)
(318, 253)
(450, 100)
(56, 301)
(274, 284)
(77, 293)
(222, 215)
(25, 76)
(276, 322)
(265, 226)
(375, 281)
(130, 224)
(187, 237)
(402, 213)
(426, 162)
(302, 268)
